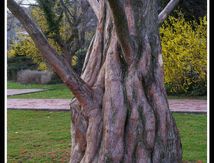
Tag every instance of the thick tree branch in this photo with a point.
(79, 88)
(122, 30)
(95, 7)
(167, 10)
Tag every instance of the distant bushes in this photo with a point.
(55, 79)
(24, 62)
(25, 47)
(184, 48)
(15, 64)
(34, 76)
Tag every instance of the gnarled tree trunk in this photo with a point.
(129, 120)
(120, 113)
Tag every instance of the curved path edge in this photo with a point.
(12, 92)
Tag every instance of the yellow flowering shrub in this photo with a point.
(184, 48)
(26, 47)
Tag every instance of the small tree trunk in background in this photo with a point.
(130, 119)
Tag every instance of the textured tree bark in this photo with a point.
(130, 120)
(120, 113)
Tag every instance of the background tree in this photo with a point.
(120, 113)
(65, 25)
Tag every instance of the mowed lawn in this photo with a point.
(53, 91)
(41, 136)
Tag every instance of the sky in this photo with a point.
(26, 1)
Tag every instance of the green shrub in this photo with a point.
(184, 48)
(26, 47)
(55, 79)
(34, 76)
(79, 60)
(18, 63)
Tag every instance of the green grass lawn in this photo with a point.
(63, 93)
(193, 130)
(40, 136)
(36, 136)
(59, 91)
(15, 85)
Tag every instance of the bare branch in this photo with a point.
(122, 30)
(167, 10)
(80, 89)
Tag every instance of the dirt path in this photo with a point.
(176, 105)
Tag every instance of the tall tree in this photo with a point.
(120, 112)
(67, 23)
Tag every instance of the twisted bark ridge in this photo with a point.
(130, 120)
(120, 113)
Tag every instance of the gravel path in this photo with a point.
(176, 105)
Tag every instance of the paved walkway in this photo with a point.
(188, 105)
(11, 92)
(178, 105)
(39, 104)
